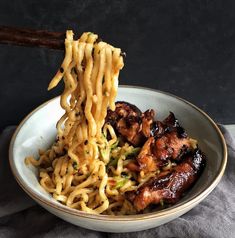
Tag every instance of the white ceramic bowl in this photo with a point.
(38, 130)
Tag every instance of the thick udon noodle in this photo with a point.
(85, 168)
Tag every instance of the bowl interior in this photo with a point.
(38, 131)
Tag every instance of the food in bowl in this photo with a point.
(111, 158)
(38, 130)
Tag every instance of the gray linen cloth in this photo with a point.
(21, 217)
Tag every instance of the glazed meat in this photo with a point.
(169, 186)
(146, 159)
(122, 110)
(170, 146)
(130, 123)
(161, 141)
(169, 124)
(172, 124)
(147, 122)
(156, 152)
(168, 141)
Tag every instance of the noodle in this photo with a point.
(73, 170)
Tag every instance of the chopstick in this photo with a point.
(31, 38)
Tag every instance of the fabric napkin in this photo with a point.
(21, 217)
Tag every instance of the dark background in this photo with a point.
(183, 47)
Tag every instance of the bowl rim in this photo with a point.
(165, 212)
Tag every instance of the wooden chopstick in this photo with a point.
(31, 38)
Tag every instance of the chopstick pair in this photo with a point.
(31, 38)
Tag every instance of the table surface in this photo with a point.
(183, 47)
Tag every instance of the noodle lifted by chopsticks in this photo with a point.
(74, 169)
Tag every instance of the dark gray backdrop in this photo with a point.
(183, 47)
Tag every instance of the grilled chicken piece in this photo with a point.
(156, 152)
(133, 125)
(136, 127)
(146, 159)
(122, 110)
(147, 122)
(168, 141)
(157, 129)
(170, 146)
(172, 124)
(169, 186)
(169, 124)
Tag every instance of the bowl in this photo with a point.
(38, 130)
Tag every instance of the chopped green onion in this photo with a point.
(113, 162)
(104, 135)
(133, 152)
(120, 183)
(104, 152)
(113, 146)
